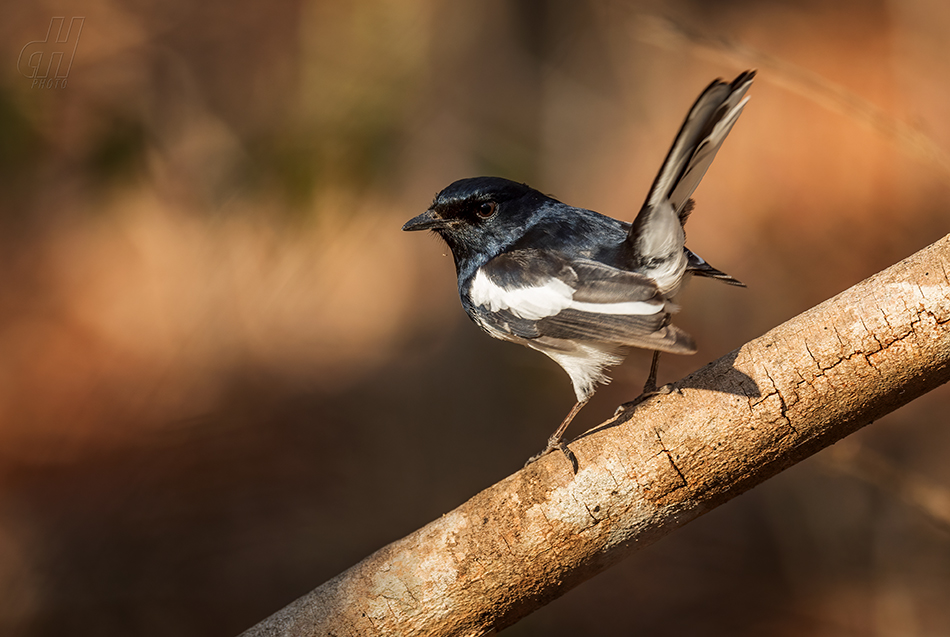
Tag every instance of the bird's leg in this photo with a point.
(556, 442)
(649, 387)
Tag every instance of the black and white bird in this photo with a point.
(576, 285)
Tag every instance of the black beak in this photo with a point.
(426, 221)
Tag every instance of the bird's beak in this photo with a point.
(426, 221)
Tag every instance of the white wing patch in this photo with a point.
(639, 308)
(532, 303)
(554, 295)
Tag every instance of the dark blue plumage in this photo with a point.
(574, 284)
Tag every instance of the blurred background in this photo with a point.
(226, 375)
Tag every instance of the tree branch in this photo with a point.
(724, 429)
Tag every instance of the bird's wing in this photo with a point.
(706, 127)
(536, 294)
(697, 265)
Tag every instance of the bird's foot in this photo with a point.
(648, 392)
(556, 445)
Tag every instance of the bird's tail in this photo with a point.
(706, 127)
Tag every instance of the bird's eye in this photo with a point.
(485, 210)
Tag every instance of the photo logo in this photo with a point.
(47, 62)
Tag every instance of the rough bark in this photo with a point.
(725, 428)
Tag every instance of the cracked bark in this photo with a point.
(727, 427)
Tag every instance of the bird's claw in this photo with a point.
(555, 445)
(647, 393)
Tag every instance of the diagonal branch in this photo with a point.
(724, 429)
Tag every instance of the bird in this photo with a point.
(576, 285)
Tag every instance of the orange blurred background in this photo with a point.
(226, 375)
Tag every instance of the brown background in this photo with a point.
(226, 375)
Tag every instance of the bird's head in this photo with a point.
(478, 217)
